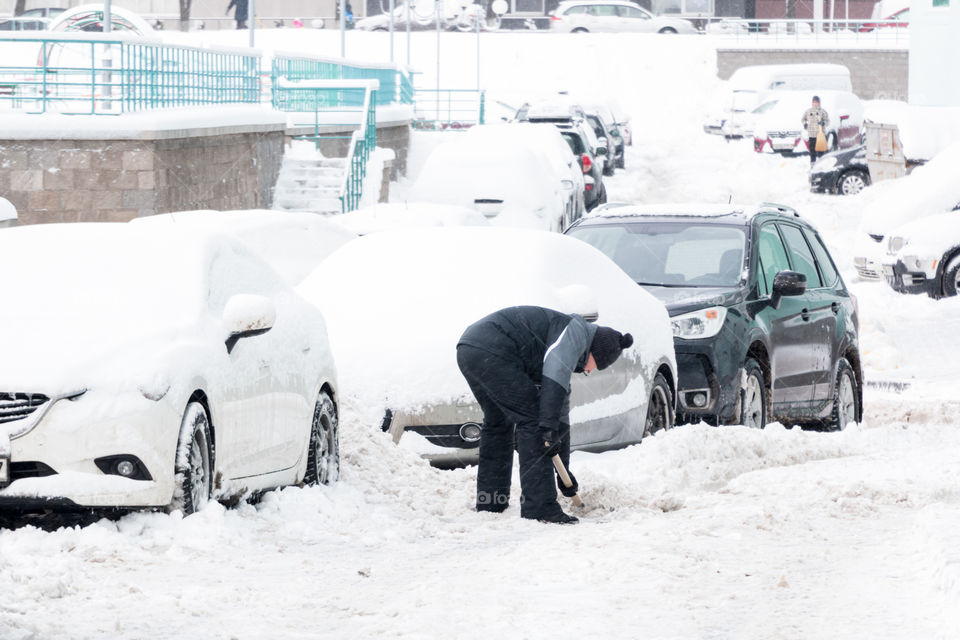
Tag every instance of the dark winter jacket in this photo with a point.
(550, 346)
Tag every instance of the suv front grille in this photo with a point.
(17, 406)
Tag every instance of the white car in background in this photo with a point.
(895, 212)
(582, 16)
(507, 180)
(156, 366)
(395, 320)
(779, 128)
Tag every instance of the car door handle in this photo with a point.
(835, 307)
(805, 314)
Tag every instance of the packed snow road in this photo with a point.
(699, 532)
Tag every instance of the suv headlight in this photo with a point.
(895, 244)
(704, 323)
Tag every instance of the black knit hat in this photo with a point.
(607, 345)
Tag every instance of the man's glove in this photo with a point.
(820, 123)
(551, 442)
(568, 491)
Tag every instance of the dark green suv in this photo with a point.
(763, 324)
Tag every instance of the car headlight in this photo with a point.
(704, 323)
(895, 243)
(824, 164)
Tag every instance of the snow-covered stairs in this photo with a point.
(309, 184)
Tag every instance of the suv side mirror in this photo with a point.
(787, 284)
(602, 150)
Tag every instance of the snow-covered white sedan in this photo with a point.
(396, 303)
(156, 366)
(581, 16)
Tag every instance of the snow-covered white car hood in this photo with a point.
(928, 237)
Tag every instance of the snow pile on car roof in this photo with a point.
(924, 131)
(401, 215)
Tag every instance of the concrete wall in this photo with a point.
(875, 74)
(118, 180)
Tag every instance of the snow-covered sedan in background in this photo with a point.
(582, 16)
(779, 129)
(397, 302)
(929, 190)
(156, 366)
(506, 178)
(924, 256)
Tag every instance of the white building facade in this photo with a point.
(934, 53)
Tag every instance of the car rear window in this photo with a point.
(576, 144)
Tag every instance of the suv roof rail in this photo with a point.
(782, 209)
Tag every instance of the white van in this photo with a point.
(749, 87)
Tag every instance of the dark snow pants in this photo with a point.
(510, 400)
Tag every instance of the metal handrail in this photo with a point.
(838, 30)
(449, 108)
(394, 81)
(362, 143)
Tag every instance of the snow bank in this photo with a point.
(397, 215)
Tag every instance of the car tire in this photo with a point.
(846, 400)
(660, 407)
(603, 194)
(852, 182)
(753, 397)
(579, 30)
(621, 162)
(192, 465)
(323, 455)
(667, 30)
(951, 278)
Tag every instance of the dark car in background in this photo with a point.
(608, 136)
(763, 324)
(844, 172)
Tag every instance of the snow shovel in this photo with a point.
(821, 144)
(565, 478)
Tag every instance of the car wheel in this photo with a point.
(621, 162)
(192, 469)
(667, 30)
(579, 30)
(323, 457)
(951, 280)
(603, 195)
(753, 397)
(846, 400)
(852, 182)
(659, 408)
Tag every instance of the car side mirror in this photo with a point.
(787, 284)
(566, 184)
(246, 315)
(601, 151)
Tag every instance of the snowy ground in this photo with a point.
(697, 533)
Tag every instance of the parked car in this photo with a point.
(156, 366)
(751, 86)
(581, 16)
(844, 172)
(389, 216)
(582, 142)
(601, 121)
(563, 110)
(554, 152)
(763, 324)
(924, 256)
(20, 23)
(436, 282)
(897, 20)
(454, 15)
(930, 189)
(780, 129)
(510, 184)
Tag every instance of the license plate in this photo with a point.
(4, 470)
(888, 270)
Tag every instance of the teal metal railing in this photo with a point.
(448, 108)
(395, 83)
(361, 146)
(118, 74)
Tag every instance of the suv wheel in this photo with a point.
(753, 397)
(951, 280)
(846, 400)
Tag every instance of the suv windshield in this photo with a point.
(671, 254)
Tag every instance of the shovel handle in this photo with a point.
(565, 478)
